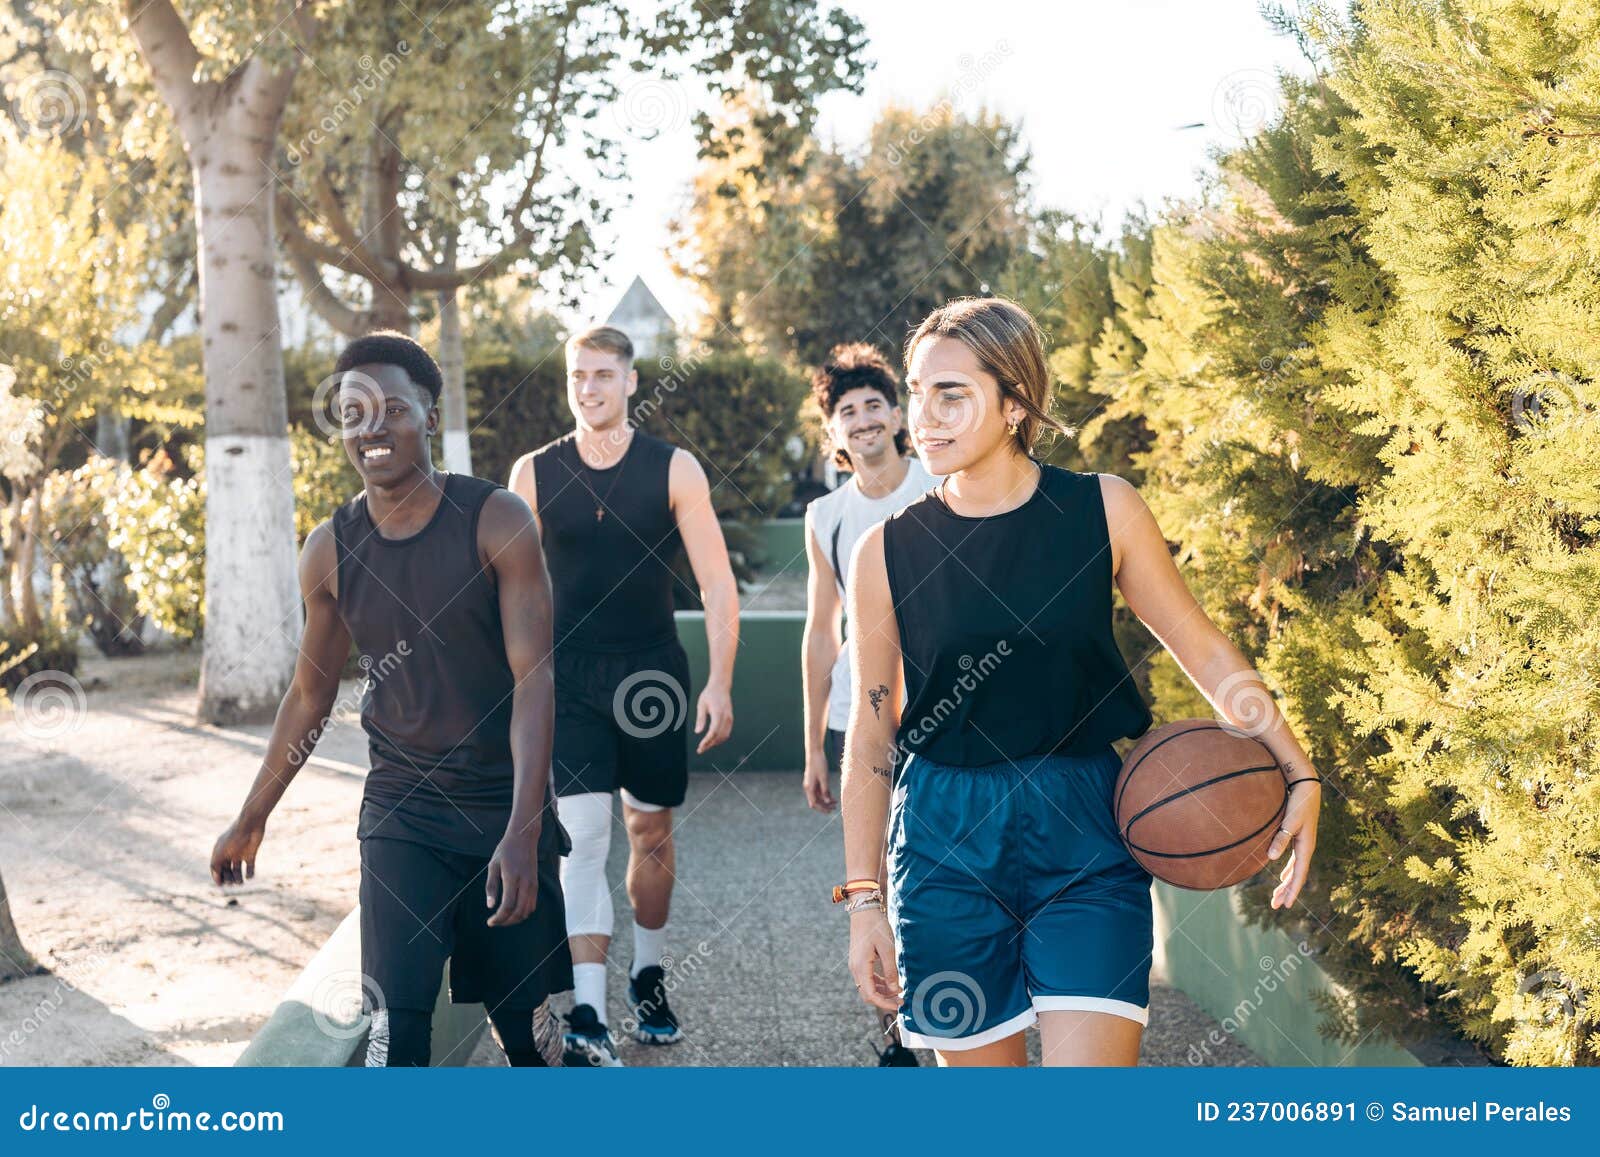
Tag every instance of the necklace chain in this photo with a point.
(599, 502)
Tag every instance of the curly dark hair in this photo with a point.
(388, 347)
(851, 366)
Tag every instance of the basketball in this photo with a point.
(1197, 804)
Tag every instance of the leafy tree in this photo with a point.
(398, 167)
(223, 73)
(855, 248)
(77, 262)
(1470, 152)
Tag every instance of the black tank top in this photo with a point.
(1005, 627)
(611, 576)
(425, 617)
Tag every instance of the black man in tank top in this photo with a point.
(440, 582)
(614, 506)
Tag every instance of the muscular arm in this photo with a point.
(508, 538)
(303, 714)
(1151, 583)
(708, 558)
(523, 485)
(818, 651)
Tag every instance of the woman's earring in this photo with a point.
(1014, 425)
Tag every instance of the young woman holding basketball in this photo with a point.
(1011, 899)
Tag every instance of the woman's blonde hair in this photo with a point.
(1008, 345)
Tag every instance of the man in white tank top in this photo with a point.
(858, 394)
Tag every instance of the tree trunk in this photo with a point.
(14, 958)
(229, 129)
(453, 365)
(27, 560)
(113, 435)
(10, 537)
(252, 626)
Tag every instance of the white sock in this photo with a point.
(648, 944)
(589, 987)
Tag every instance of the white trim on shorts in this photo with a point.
(1023, 1020)
(1122, 1008)
(638, 804)
(953, 1044)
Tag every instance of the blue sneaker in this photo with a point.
(587, 1043)
(653, 1022)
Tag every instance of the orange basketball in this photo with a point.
(1198, 803)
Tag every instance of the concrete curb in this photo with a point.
(318, 1023)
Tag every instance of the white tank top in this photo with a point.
(838, 520)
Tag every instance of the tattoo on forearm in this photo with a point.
(876, 696)
(880, 772)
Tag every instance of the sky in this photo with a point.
(1102, 91)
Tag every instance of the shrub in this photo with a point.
(96, 575)
(156, 521)
(24, 653)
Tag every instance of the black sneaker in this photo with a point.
(895, 1055)
(587, 1043)
(653, 1022)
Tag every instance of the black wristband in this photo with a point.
(1304, 779)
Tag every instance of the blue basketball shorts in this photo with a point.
(1010, 894)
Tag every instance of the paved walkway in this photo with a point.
(105, 835)
(759, 951)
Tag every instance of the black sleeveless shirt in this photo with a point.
(611, 576)
(425, 616)
(1005, 628)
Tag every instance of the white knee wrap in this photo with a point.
(587, 819)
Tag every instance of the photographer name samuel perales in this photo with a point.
(1486, 1111)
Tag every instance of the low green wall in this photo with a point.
(780, 546)
(1257, 982)
(767, 707)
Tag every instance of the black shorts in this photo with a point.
(622, 721)
(422, 905)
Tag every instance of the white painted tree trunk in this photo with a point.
(453, 366)
(252, 628)
(14, 958)
(230, 129)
